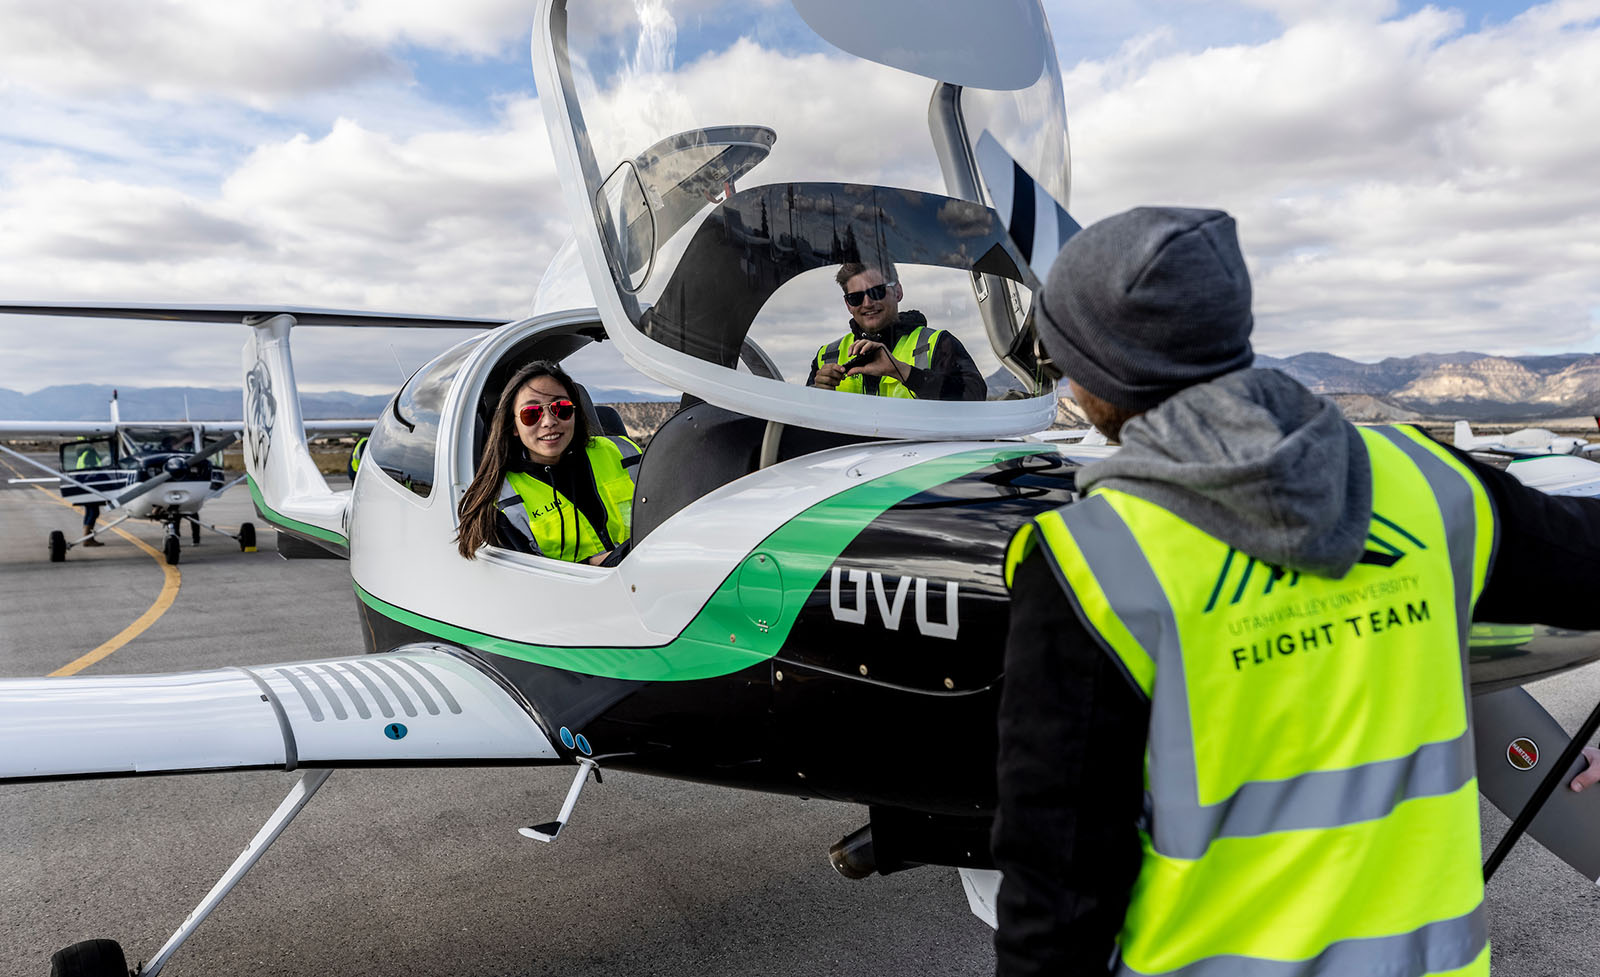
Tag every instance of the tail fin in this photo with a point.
(1464, 439)
(288, 490)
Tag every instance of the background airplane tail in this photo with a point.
(1464, 438)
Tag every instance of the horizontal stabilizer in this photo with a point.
(419, 705)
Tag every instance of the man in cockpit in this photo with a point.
(889, 353)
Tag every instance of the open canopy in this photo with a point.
(722, 161)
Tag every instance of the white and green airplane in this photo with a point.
(797, 553)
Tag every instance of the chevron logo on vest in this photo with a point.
(1388, 536)
(1269, 578)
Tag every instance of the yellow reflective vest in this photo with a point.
(1311, 800)
(554, 524)
(915, 348)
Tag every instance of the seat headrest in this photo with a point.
(586, 404)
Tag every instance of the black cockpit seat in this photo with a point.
(702, 448)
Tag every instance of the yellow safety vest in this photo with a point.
(1311, 796)
(554, 524)
(914, 348)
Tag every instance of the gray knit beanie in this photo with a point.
(1147, 302)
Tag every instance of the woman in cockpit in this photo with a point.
(545, 485)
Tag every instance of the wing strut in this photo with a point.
(298, 797)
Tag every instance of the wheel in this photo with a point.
(194, 533)
(58, 546)
(90, 958)
(247, 537)
(172, 548)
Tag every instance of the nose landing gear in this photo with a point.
(172, 547)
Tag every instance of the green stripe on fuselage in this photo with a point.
(278, 519)
(722, 638)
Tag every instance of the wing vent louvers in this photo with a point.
(385, 685)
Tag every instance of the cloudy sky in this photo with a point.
(1407, 178)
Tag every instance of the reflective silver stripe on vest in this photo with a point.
(922, 356)
(625, 445)
(510, 506)
(831, 351)
(1181, 827)
(1460, 521)
(1448, 944)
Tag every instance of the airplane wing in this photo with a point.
(418, 705)
(43, 430)
(1558, 474)
(247, 314)
(24, 430)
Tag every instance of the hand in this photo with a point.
(881, 364)
(598, 559)
(1592, 774)
(828, 377)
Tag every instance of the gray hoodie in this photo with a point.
(1257, 460)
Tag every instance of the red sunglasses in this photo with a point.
(562, 409)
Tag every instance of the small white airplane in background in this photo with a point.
(1528, 441)
(158, 470)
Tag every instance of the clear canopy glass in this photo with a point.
(733, 161)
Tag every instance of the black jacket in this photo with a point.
(952, 375)
(1072, 732)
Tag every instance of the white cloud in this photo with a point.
(1401, 186)
(257, 51)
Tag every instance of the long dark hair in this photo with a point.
(502, 448)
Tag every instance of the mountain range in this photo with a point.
(1470, 386)
(1429, 386)
(1440, 386)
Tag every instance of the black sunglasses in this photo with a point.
(562, 410)
(875, 293)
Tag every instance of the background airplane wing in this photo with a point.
(419, 705)
(55, 429)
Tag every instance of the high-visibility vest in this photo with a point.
(555, 525)
(355, 456)
(915, 348)
(1312, 801)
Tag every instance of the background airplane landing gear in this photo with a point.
(58, 546)
(89, 958)
(194, 533)
(172, 547)
(247, 537)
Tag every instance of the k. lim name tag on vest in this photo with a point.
(1516, 741)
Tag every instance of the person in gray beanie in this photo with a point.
(1234, 727)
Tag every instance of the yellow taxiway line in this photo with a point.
(169, 593)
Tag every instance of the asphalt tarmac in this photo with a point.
(422, 872)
